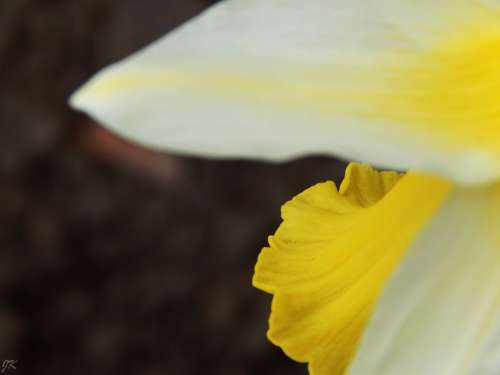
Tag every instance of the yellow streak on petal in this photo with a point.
(445, 93)
(450, 91)
(331, 256)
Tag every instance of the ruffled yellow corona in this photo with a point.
(331, 256)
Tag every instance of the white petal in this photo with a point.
(439, 314)
(277, 79)
(488, 359)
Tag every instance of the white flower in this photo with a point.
(401, 275)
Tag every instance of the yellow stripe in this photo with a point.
(446, 93)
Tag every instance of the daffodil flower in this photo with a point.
(390, 273)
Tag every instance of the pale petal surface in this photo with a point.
(439, 313)
(401, 84)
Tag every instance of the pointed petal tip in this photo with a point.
(81, 98)
(75, 100)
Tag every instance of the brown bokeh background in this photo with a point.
(114, 259)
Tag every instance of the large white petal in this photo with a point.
(440, 312)
(277, 79)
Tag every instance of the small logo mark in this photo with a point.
(8, 365)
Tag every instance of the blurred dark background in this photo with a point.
(114, 259)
